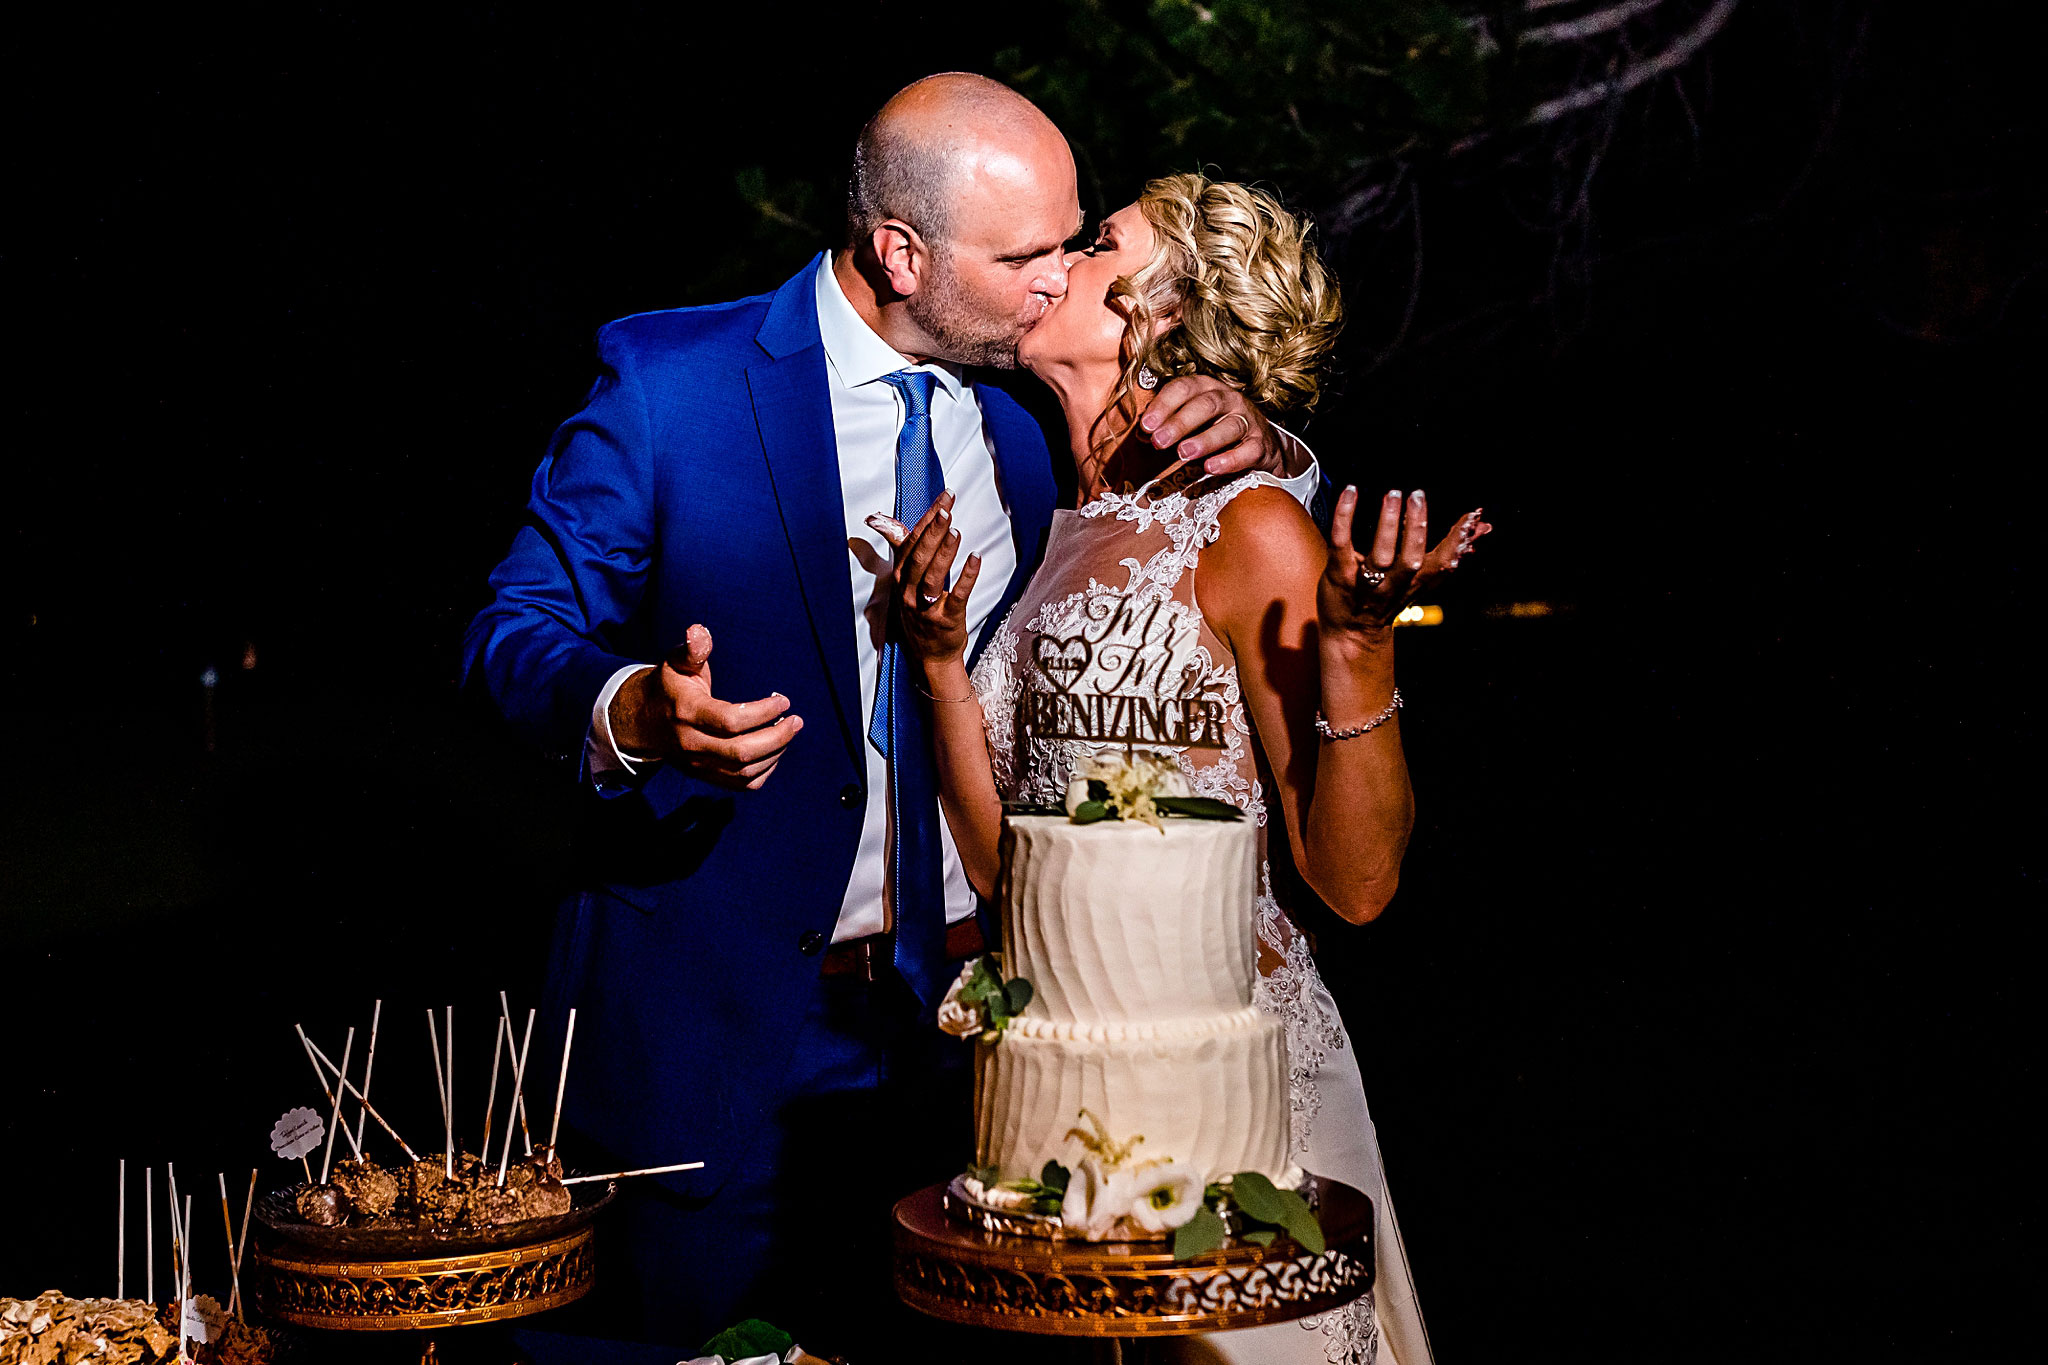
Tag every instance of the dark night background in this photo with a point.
(1692, 1031)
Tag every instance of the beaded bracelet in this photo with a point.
(1323, 726)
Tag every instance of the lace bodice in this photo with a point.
(1107, 650)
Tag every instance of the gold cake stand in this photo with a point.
(966, 1272)
(309, 1287)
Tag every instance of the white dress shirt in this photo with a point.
(867, 416)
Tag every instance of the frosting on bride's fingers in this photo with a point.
(890, 529)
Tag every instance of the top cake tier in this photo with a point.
(1117, 922)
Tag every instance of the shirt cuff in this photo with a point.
(1303, 486)
(603, 760)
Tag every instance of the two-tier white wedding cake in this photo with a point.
(1139, 947)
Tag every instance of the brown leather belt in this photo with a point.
(867, 958)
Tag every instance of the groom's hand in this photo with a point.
(1200, 418)
(669, 713)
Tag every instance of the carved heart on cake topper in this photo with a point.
(1061, 661)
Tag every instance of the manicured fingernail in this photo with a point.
(954, 534)
(1188, 451)
(1393, 492)
(1150, 421)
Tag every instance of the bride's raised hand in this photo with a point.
(1361, 593)
(933, 620)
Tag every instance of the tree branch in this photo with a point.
(1600, 21)
(1681, 51)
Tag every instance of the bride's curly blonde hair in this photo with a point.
(1248, 300)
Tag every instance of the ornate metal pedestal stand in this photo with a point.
(966, 1272)
(390, 1281)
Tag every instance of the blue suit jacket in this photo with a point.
(700, 483)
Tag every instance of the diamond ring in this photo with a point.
(931, 599)
(1373, 576)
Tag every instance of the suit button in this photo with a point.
(811, 944)
(851, 796)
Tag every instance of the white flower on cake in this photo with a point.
(1111, 1195)
(980, 1003)
(956, 1016)
(1097, 1200)
(1138, 787)
(1165, 1196)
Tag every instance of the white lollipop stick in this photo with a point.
(491, 1101)
(376, 1013)
(185, 1275)
(171, 1174)
(448, 1040)
(644, 1170)
(568, 1039)
(333, 1095)
(121, 1235)
(227, 1221)
(242, 1245)
(334, 1124)
(518, 1088)
(348, 1085)
(149, 1232)
(441, 1085)
(505, 1010)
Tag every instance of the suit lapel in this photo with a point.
(793, 412)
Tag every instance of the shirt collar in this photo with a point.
(857, 354)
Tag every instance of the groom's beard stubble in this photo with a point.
(965, 334)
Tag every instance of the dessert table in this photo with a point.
(961, 1265)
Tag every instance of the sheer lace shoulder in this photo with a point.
(1191, 517)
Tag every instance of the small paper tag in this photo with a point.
(204, 1318)
(297, 1133)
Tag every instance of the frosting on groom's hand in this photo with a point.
(1200, 418)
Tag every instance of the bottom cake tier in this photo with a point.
(1210, 1094)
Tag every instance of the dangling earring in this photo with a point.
(1147, 379)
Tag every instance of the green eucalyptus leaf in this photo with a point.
(1255, 1194)
(1300, 1222)
(987, 1175)
(1048, 1204)
(1088, 812)
(750, 1338)
(1018, 993)
(1055, 1176)
(1202, 1233)
(1261, 1236)
(1199, 807)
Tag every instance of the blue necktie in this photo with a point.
(897, 728)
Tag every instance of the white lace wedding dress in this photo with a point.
(1107, 650)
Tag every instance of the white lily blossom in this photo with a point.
(1097, 1200)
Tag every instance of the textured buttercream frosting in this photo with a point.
(1118, 920)
(1139, 947)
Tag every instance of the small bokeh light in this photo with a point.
(1419, 615)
